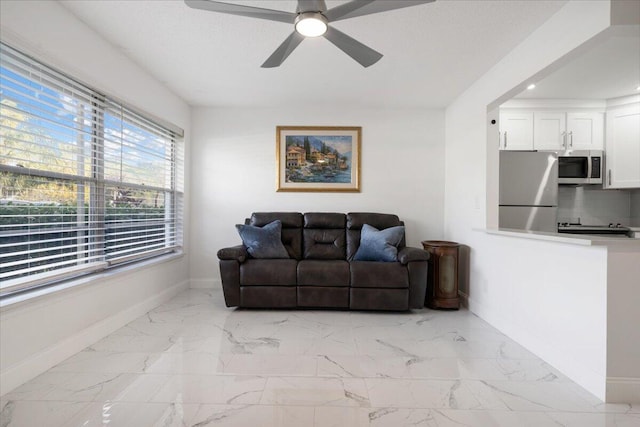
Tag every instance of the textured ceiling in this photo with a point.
(432, 52)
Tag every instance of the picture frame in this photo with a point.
(318, 158)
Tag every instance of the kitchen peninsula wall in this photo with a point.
(595, 206)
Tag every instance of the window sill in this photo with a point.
(28, 296)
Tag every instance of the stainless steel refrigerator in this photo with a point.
(528, 190)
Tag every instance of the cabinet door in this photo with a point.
(623, 147)
(585, 131)
(516, 131)
(549, 131)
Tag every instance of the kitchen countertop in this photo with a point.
(636, 232)
(574, 239)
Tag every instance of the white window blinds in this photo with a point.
(85, 182)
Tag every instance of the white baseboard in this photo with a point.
(464, 300)
(46, 359)
(205, 283)
(623, 390)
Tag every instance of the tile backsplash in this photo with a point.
(592, 205)
(635, 208)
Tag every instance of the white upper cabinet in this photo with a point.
(549, 130)
(585, 131)
(516, 131)
(623, 147)
(540, 128)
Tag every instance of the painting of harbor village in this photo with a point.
(318, 158)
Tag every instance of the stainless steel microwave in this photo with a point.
(580, 167)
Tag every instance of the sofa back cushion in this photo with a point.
(356, 220)
(324, 236)
(291, 229)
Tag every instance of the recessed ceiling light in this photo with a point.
(531, 86)
(638, 88)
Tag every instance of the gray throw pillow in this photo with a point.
(379, 245)
(263, 242)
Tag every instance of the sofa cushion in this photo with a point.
(324, 220)
(355, 222)
(288, 219)
(268, 272)
(268, 296)
(369, 274)
(323, 273)
(379, 299)
(379, 245)
(323, 296)
(327, 244)
(324, 236)
(263, 242)
(291, 229)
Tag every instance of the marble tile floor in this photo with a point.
(194, 362)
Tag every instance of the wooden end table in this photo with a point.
(442, 278)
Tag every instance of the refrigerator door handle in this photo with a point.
(505, 139)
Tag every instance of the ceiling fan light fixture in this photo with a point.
(311, 24)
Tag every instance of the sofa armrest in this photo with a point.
(407, 255)
(235, 253)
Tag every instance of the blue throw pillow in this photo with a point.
(263, 242)
(379, 245)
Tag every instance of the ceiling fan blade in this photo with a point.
(237, 9)
(352, 47)
(283, 50)
(367, 7)
(311, 6)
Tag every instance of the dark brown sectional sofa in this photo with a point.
(321, 271)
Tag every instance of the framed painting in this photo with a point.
(318, 158)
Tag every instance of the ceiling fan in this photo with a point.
(312, 20)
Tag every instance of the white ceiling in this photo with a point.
(432, 52)
(610, 69)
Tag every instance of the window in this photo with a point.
(86, 183)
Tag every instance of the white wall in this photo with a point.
(39, 333)
(233, 172)
(539, 303)
(623, 337)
